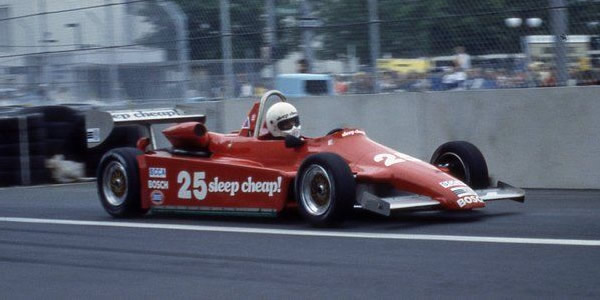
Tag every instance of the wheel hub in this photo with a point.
(114, 183)
(316, 190)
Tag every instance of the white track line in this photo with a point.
(362, 235)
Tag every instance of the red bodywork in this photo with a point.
(257, 174)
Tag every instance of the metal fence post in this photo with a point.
(183, 54)
(559, 25)
(43, 24)
(307, 35)
(271, 35)
(226, 48)
(374, 42)
(113, 71)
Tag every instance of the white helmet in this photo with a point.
(282, 119)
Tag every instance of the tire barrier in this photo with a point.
(31, 136)
(23, 149)
(65, 131)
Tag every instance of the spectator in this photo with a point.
(302, 65)
(341, 86)
(462, 60)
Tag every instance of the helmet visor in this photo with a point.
(288, 123)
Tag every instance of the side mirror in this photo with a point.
(293, 142)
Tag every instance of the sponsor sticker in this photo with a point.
(248, 186)
(157, 197)
(246, 124)
(452, 183)
(462, 202)
(157, 172)
(202, 185)
(93, 135)
(353, 132)
(132, 115)
(463, 191)
(392, 159)
(158, 184)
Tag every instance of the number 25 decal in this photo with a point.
(198, 189)
(391, 159)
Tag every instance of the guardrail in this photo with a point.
(534, 138)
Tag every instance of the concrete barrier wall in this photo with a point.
(536, 138)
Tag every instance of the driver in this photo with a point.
(282, 120)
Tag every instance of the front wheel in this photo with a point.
(464, 161)
(325, 189)
(119, 183)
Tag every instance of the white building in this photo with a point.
(77, 45)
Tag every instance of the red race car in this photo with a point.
(254, 172)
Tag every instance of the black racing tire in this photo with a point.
(118, 183)
(325, 189)
(464, 161)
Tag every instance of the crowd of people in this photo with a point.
(463, 76)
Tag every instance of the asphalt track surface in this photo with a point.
(57, 242)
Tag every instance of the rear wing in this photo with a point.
(99, 124)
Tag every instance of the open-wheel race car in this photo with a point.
(254, 172)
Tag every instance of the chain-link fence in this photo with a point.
(189, 50)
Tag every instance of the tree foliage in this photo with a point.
(409, 28)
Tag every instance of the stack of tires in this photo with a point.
(29, 136)
(22, 149)
(65, 131)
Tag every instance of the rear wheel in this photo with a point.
(119, 183)
(464, 161)
(325, 189)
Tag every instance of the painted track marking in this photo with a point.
(294, 232)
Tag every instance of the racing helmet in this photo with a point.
(282, 119)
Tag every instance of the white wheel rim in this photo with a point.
(114, 183)
(316, 190)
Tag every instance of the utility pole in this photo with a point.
(183, 54)
(44, 36)
(374, 42)
(271, 35)
(226, 49)
(307, 35)
(559, 26)
(113, 71)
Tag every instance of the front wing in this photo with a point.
(385, 205)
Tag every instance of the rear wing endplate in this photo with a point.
(99, 124)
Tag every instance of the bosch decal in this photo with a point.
(451, 183)
(157, 197)
(157, 172)
(468, 200)
(158, 184)
(463, 191)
